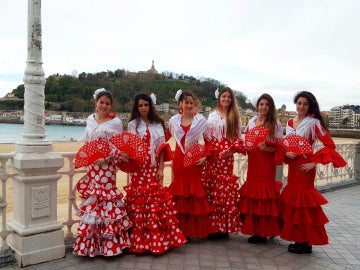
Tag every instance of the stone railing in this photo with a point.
(327, 178)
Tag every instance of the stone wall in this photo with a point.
(345, 133)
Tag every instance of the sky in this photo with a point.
(278, 47)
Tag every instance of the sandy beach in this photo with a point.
(63, 183)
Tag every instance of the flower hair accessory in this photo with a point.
(98, 91)
(217, 93)
(178, 94)
(153, 98)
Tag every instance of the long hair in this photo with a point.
(232, 115)
(271, 117)
(153, 115)
(314, 108)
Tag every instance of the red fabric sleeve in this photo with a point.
(168, 154)
(327, 154)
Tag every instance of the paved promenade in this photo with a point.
(343, 252)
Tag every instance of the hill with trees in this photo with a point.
(74, 93)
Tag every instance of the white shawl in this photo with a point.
(105, 130)
(194, 135)
(157, 136)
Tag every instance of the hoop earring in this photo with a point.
(180, 110)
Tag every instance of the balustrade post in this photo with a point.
(38, 236)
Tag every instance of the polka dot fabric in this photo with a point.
(222, 189)
(193, 154)
(296, 144)
(151, 209)
(90, 152)
(132, 145)
(255, 136)
(104, 222)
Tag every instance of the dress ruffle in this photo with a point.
(225, 199)
(259, 208)
(327, 155)
(104, 222)
(152, 212)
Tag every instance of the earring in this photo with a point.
(180, 110)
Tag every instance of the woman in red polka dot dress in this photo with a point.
(223, 133)
(149, 204)
(104, 222)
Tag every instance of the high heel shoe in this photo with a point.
(300, 248)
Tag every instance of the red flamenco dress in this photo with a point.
(149, 204)
(220, 182)
(104, 222)
(300, 202)
(259, 195)
(189, 196)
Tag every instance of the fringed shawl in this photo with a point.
(278, 129)
(194, 135)
(306, 129)
(105, 130)
(157, 136)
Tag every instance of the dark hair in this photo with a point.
(153, 115)
(232, 115)
(188, 93)
(271, 117)
(313, 105)
(104, 93)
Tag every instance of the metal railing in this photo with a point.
(327, 178)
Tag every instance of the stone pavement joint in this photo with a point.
(343, 252)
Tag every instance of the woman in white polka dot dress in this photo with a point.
(149, 204)
(222, 188)
(104, 222)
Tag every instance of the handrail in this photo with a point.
(327, 178)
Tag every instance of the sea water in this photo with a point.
(11, 133)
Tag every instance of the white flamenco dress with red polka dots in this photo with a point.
(149, 203)
(104, 224)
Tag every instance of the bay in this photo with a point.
(11, 133)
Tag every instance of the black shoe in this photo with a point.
(300, 248)
(256, 239)
(217, 236)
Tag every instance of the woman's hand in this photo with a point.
(307, 166)
(160, 174)
(201, 161)
(262, 146)
(225, 154)
(290, 155)
(102, 161)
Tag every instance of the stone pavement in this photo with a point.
(343, 252)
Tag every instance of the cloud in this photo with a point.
(254, 46)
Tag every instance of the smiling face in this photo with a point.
(302, 106)
(103, 106)
(187, 105)
(143, 108)
(225, 100)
